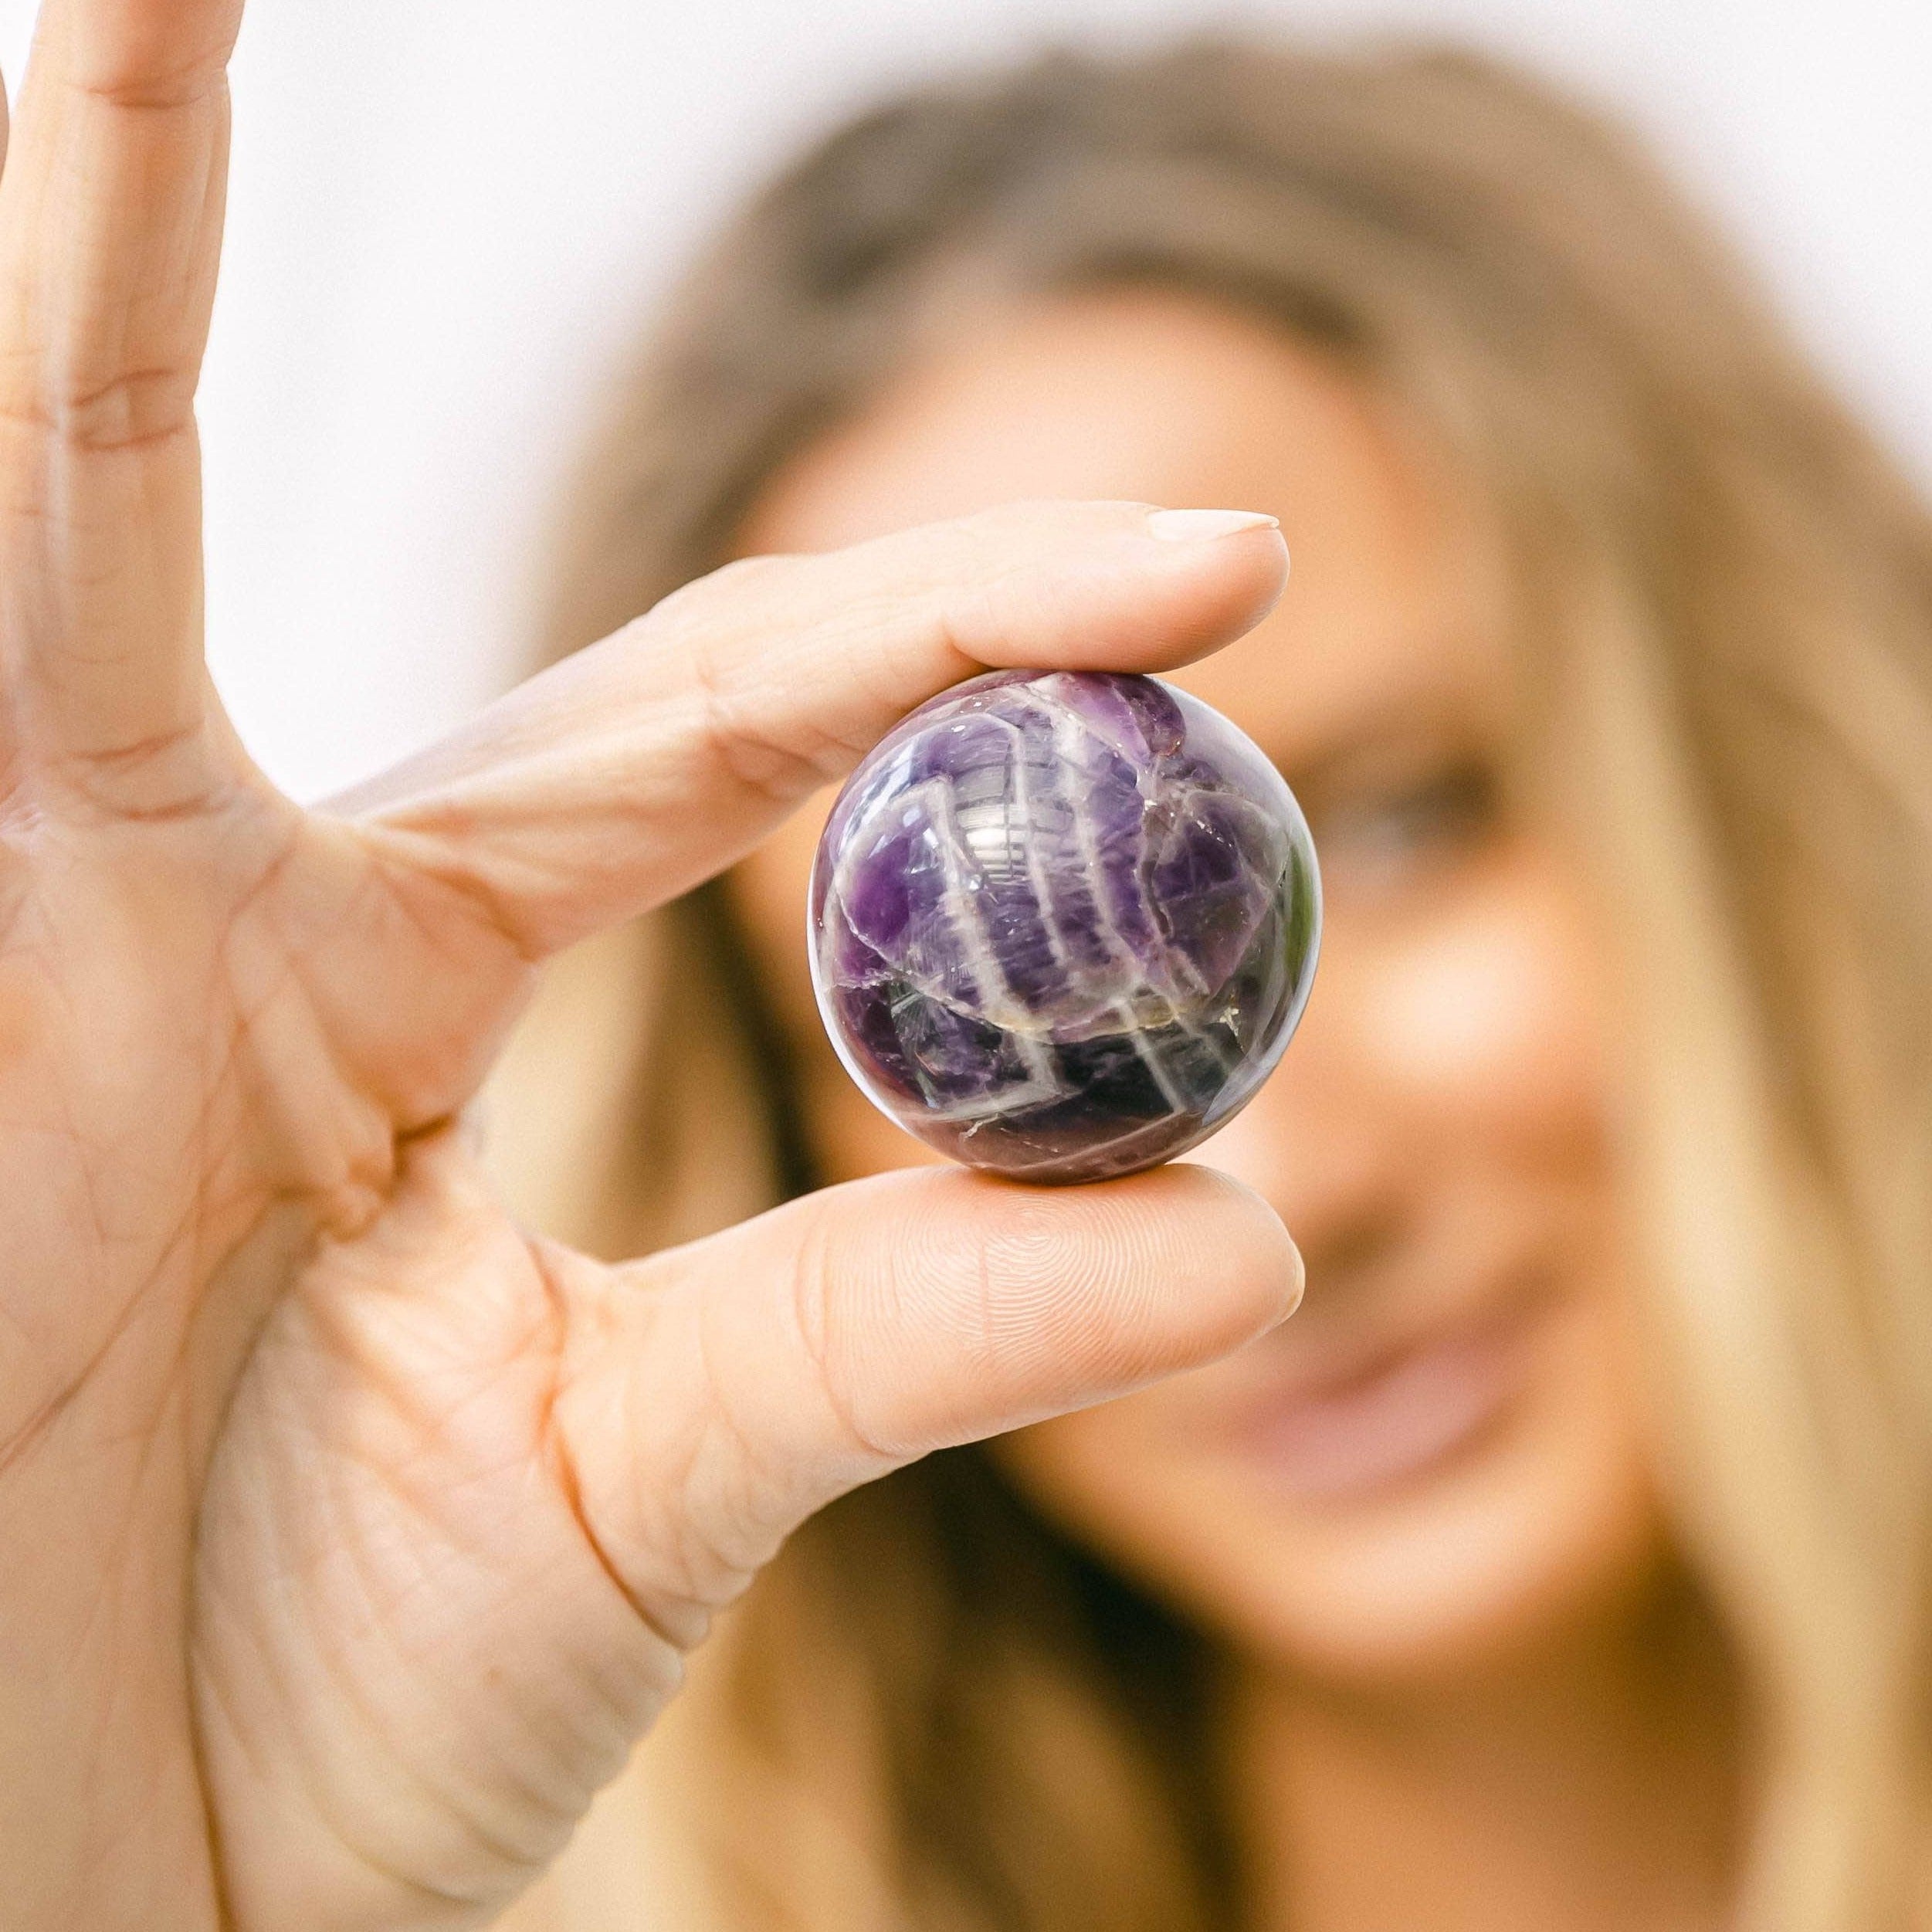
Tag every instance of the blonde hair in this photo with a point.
(937, 1712)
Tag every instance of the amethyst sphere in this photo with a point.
(1063, 923)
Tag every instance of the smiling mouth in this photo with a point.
(1396, 1418)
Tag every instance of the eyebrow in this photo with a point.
(1415, 719)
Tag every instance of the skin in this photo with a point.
(1474, 1688)
(351, 1535)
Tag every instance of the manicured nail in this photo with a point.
(1197, 526)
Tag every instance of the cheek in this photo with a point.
(1490, 1016)
(1446, 1055)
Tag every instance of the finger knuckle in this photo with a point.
(822, 1278)
(750, 727)
(132, 409)
(726, 592)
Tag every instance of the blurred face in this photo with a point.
(1438, 1462)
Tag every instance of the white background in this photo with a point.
(449, 214)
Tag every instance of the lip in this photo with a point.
(1393, 1413)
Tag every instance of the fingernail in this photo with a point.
(1197, 526)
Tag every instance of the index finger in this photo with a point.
(630, 773)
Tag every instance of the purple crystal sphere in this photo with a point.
(1062, 923)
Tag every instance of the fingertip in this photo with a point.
(1110, 586)
(1273, 543)
(1254, 1241)
(1299, 1284)
(1253, 566)
(1202, 589)
(1095, 1289)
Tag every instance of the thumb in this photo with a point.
(725, 1390)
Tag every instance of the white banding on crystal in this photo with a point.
(952, 959)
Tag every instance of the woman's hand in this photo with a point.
(351, 1534)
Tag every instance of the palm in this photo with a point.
(228, 1024)
(353, 1536)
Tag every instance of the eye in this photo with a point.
(1398, 833)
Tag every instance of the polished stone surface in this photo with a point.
(1062, 923)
